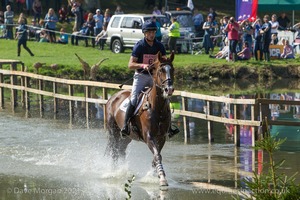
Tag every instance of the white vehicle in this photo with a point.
(125, 30)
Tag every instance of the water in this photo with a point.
(46, 159)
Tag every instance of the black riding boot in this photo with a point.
(129, 112)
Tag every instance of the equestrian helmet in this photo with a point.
(149, 26)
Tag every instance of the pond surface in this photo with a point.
(49, 159)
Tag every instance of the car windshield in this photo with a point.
(185, 20)
(161, 19)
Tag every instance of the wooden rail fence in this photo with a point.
(19, 80)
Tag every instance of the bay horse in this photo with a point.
(153, 118)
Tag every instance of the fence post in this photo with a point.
(13, 81)
(185, 119)
(87, 95)
(209, 123)
(1, 90)
(54, 99)
(41, 98)
(71, 104)
(237, 131)
(104, 94)
(23, 84)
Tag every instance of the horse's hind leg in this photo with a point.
(116, 146)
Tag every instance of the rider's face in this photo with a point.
(150, 35)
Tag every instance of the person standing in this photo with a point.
(283, 21)
(257, 39)
(98, 17)
(174, 34)
(9, 21)
(266, 34)
(158, 34)
(51, 20)
(37, 10)
(274, 24)
(143, 55)
(198, 20)
(209, 28)
(22, 36)
(233, 36)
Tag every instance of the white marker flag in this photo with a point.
(190, 4)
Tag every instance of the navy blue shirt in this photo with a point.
(267, 35)
(145, 53)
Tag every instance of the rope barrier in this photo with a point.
(57, 32)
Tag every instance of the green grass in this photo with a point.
(64, 56)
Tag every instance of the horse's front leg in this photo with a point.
(157, 163)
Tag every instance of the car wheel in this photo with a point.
(117, 46)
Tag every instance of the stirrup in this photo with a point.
(173, 131)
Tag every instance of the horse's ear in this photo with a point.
(159, 56)
(172, 56)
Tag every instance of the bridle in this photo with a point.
(165, 85)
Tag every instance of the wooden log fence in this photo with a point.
(257, 113)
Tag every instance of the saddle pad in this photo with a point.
(125, 103)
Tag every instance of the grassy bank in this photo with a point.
(115, 68)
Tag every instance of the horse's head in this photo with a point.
(164, 74)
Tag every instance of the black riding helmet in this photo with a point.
(149, 26)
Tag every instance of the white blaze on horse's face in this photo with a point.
(168, 89)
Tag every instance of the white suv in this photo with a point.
(123, 31)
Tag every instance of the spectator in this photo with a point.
(8, 21)
(98, 17)
(266, 40)
(257, 39)
(44, 37)
(101, 37)
(75, 9)
(288, 51)
(156, 11)
(22, 36)
(282, 42)
(32, 29)
(90, 23)
(274, 24)
(119, 10)
(37, 10)
(245, 54)
(84, 31)
(20, 5)
(63, 14)
(28, 6)
(106, 16)
(174, 33)
(212, 13)
(222, 54)
(63, 37)
(1, 17)
(283, 21)
(198, 20)
(247, 33)
(209, 28)
(51, 20)
(233, 36)
(274, 39)
(158, 34)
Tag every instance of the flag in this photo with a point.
(190, 4)
(246, 9)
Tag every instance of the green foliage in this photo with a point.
(127, 187)
(271, 185)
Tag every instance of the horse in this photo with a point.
(153, 118)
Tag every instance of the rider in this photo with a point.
(143, 55)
